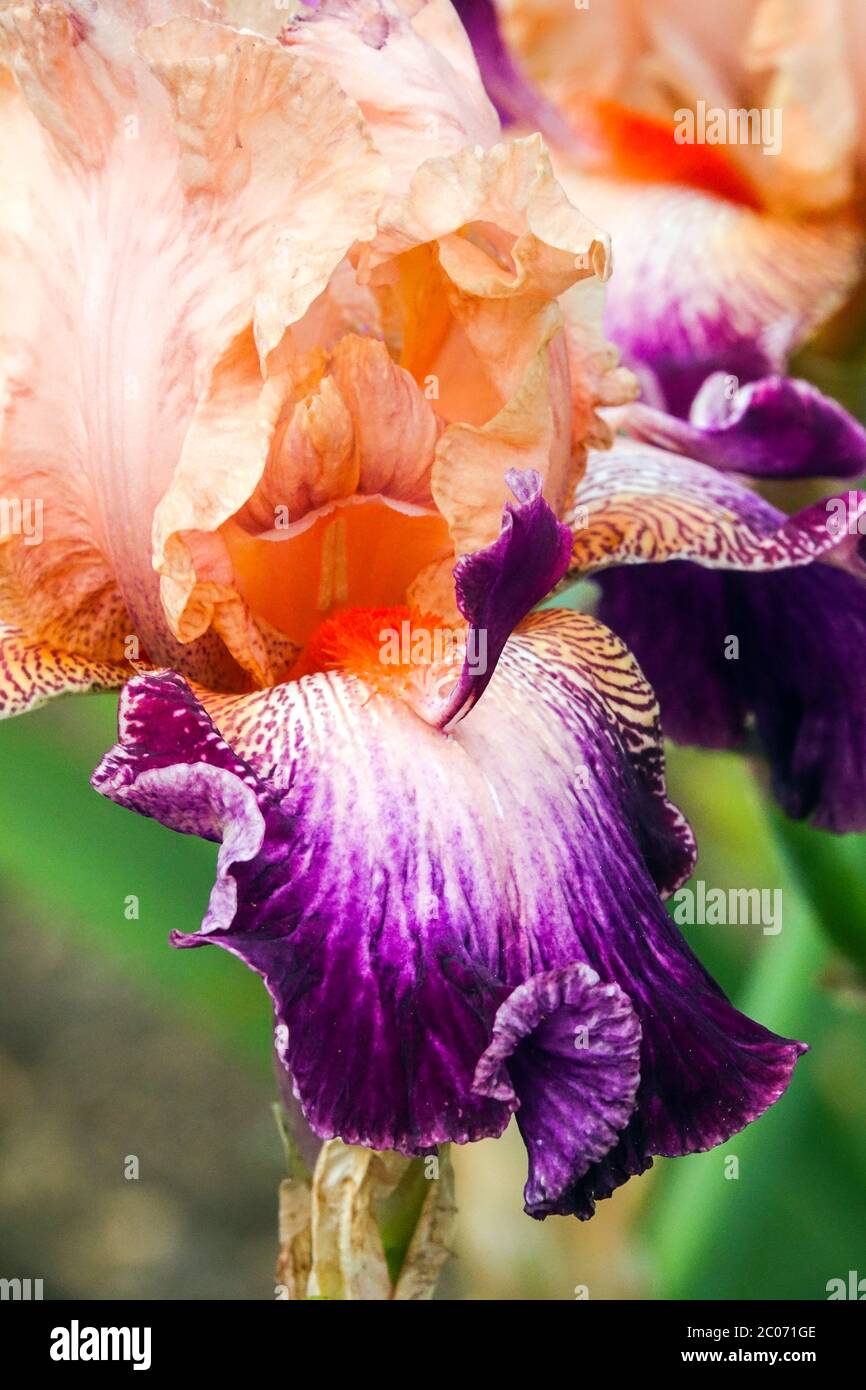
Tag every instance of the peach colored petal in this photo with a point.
(646, 52)
(281, 154)
(358, 551)
(344, 306)
(597, 379)
(261, 16)
(312, 461)
(395, 427)
(55, 581)
(73, 88)
(253, 449)
(508, 243)
(802, 51)
(531, 431)
(510, 187)
(62, 593)
(634, 50)
(270, 453)
(432, 591)
(410, 68)
(657, 56)
(140, 237)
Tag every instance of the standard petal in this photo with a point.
(295, 189)
(411, 70)
(156, 201)
(506, 243)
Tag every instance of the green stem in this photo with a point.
(399, 1216)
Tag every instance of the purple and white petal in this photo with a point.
(637, 504)
(408, 881)
(704, 284)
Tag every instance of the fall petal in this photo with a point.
(777, 427)
(796, 668)
(389, 950)
(638, 504)
(32, 672)
(567, 1048)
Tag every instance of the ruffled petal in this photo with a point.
(797, 671)
(774, 428)
(507, 243)
(390, 934)
(161, 192)
(300, 185)
(566, 1048)
(637, 504)
(395, 427)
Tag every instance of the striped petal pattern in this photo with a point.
(638, 504)
(393, 938)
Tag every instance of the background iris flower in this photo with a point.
(720, 275)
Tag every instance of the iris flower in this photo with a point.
(303, 363)
(727, 259)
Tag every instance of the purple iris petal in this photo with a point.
(800, 671)
(435, 915)
(773, 428)
(567, 1048)
(499, 585)
(670, 367)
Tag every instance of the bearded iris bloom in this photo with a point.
(312, 359)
